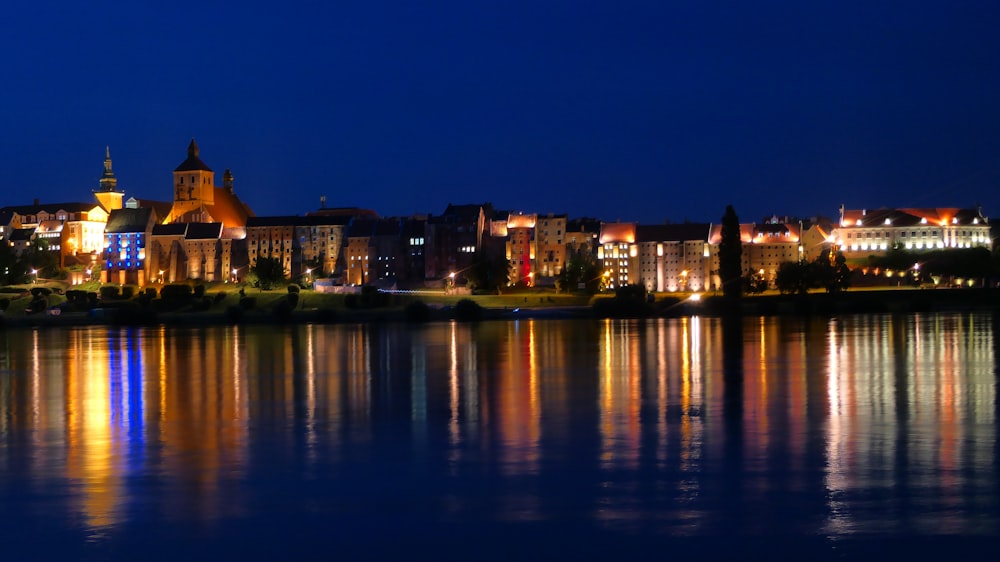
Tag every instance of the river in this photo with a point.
(853, 437)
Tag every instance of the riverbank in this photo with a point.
(271, 308)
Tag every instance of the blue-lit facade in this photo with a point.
(125, 240)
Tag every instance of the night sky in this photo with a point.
(639, 111)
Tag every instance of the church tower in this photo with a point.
(107, 194)
(194, 181)
(194, 185)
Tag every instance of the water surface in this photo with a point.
(844, 438)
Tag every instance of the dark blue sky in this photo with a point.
(620, 110)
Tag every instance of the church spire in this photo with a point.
(227, 180)
(193, 149)
(108, 180)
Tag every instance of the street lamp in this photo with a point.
(161, 277)
(34, 276)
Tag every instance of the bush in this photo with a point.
(91, 299)
(220, 296)
(177, 291)
(150, 292)
(109, 292)
(248, 303)
(199, 291)
(36, 305)
(128, 291)
(4, 304)
(468, 310)
(293, 299)
(40, 291)
(293, 289)
(418, 311)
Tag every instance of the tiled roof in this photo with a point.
(51, 208)
(617, 232)
(203, 231)
(295, 220)
(175, 229)
(672, 232)
(21, 234)
(129, 220)
(939, 216)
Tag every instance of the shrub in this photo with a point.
(36, 305)
(293, 289)
(150, 292)
(92, 299)
(175, 291)
(109, 292)
(199, 291)
(293, 299)
(128, 291)
(418, 311)
(468, 310)
(220, 296)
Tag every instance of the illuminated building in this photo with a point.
(521, 247)
(74, 231)
(299, 243)
(765, 247)
(213, 243)
(550, 245)
(126, 238)
(672, 257)
(862, 233)
(582, 237)
(618, 254)
(453, 238)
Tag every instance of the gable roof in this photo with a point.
(122, 221)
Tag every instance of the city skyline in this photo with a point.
(642, 113)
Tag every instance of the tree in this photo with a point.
(12, 270)
(580, 268)
(266, 273)
(731, 255)
(793, 277)
(489, 271)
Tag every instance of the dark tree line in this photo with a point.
(828, 271)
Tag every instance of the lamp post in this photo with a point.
(34, 276)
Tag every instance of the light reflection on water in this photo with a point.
(862, 425)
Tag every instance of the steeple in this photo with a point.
(227, 180)
(193, 149)
(108, 181)
(107, 194)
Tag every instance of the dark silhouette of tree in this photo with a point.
(489, 271)
(580, 268)
(731, 255)
(792, 277)
(266, 273)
